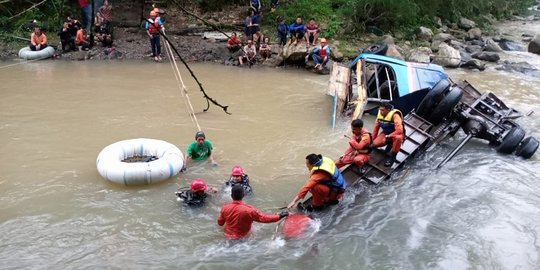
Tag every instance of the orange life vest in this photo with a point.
(153, 27)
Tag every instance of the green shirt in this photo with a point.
(199, 152)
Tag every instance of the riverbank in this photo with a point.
(456, 45)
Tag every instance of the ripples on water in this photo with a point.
(479, 211)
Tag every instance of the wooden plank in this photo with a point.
(361, 101)
(338, 86)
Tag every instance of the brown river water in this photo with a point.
(480, 211)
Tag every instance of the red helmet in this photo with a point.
(237, 171)
(197, 185)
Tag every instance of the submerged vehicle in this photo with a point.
(434, 107)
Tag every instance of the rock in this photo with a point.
(474, 64)
(424, 33)
(465, 56)
(393, 52)
(447, 56)
(522, 67)
(477, 42)
(534, 45)
(443, 29)
(466, 24)
(294, 53)
(486, 56)
(509, 45)
(388, 39)
(492, 46)
(456, 44)
(216, 36)
(473, 48)
(420, 54)
(437, 21)
(335, 53)
(475, 33)
(527, 39)
(443, 37)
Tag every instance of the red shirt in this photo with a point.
(238, 217)
(233, 42)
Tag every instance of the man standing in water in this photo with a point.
(238, 216)
(200, 149)
(325, 183)
(391, 123)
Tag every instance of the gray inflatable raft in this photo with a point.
(27, 54)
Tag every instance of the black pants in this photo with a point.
(155, 43)
(68, 45)
(33, 48)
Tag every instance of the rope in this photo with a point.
(181, 85)
(23, 62)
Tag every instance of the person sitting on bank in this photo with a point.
(238, 177)
(38, 40)
(233, 43)
(237, 217)
(66, 39)
(196, 194)
(297, 30)
(312, 32)
(359, 146)
(81, 41)
(104, 34)
(248, 54)
(265, 50)
(390, 120)
(200, 149)
(325, 183)
(320, 55)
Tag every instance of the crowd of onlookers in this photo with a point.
(257, 45)
(74, 34)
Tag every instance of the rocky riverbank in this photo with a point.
(452, 45)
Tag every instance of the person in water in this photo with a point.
(359, 146)
(237, 217)
(38, 40)
(200, 149)
(238, 177)
(197, 192)
(325, 183)
(390, 121)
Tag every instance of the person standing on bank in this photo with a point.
(237, 217)
(390, 121)
(153, 26)
(325, 183)
(200, 149)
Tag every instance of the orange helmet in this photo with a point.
(237, 171)
(197, 185)
(153, 13)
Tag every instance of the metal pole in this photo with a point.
(456, 150)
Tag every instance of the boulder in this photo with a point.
(465, 56)
(534, 45)
(473, 48)
(474, 33)
(522, 67)
(477, 42)
(388, 39)
(420, 54)
(492, 46)
(456, 44)
(393, 52)
(424, 33)
(487, 56)
(447, 56)
(294, 53)
(335, 53)
(466, 24)
(442, 37)
(474, 64)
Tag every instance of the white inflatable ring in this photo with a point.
(27, 54)
(111, 166)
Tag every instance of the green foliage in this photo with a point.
(15, 16)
